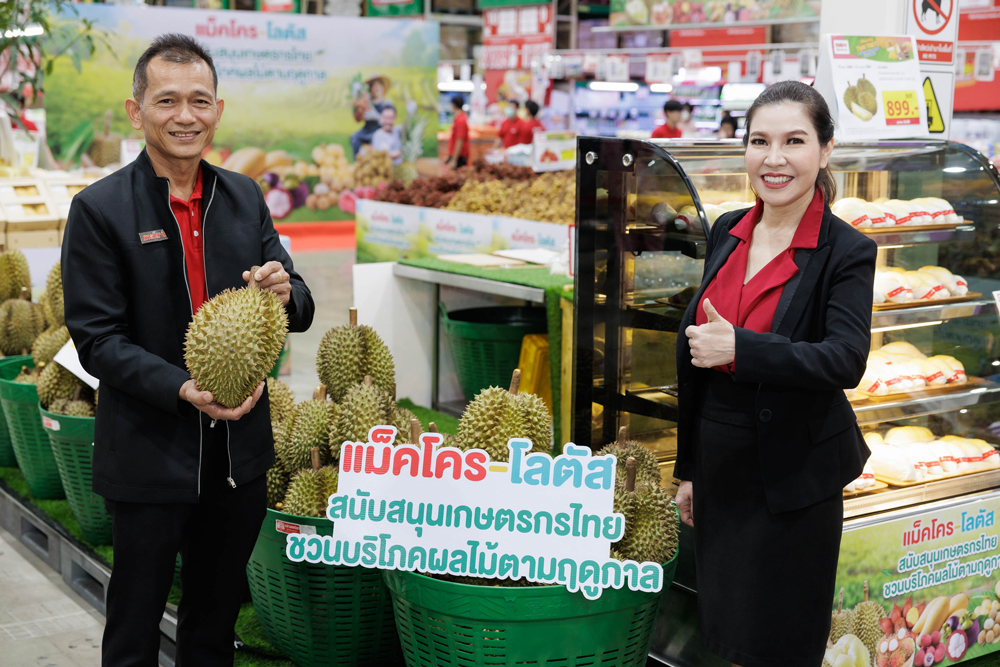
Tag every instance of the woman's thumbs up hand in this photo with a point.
(713, 343)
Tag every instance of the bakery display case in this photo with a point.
(929, 404)
(644, 213)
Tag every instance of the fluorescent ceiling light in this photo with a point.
(614, 86)
(660, 88)
(30, 31)
(906, 326)
(954, 170)
(456, 86)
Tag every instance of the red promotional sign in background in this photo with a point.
(514, 36)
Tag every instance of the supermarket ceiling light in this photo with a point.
(30, 31)
(456, 86)
(661, 88)
(614, 86)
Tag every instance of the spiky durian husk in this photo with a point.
(48, 343)
(75, 409)
(866, 624)
(537, 422)
(841, 624)
(58, 406)
(282, 435)
(279, 395)
(28, 375)
(20, 323)
(56, 382)
(653, 533)
(311, 429)
(363, 407)
(624, 504)
(647, 468)
(347, 354)
(309, 492)
(277, 485)
(14, 274)
(233, 342)
(53, 304)
(489, 421)
(400, 418)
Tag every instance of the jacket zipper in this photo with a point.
(204, 266)
(180, 238)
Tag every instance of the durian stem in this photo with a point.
(24, 296)
(630, 467)
(319, 394)
(253, 281)
(432, 427)
(866, 590)
(369, 381)
(314, 454)
(622, 435)
(78, 393)
(515, 381)
(107, 123)
(353, 315)
(414, 430)
(840, 600)
(24, 351)
(393, 392)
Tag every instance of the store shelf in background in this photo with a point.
(976, 391)
(894, 497)
(916, 237)
(930, 313)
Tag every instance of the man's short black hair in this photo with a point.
(672, 105)
(458, 102)
(175, 48)
(532, 107)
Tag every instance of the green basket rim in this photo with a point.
(17, 391)
(75, 421)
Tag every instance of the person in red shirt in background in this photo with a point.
(458, 144)
(507, 135)
(526, 127)
(669, 129)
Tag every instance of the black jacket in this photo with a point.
(810, 443)
(128, 307)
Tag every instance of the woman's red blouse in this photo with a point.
(752, 305)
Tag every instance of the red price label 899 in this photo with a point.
(901, 107)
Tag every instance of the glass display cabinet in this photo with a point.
(933, 207)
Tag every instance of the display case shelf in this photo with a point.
(930, 314)
(893, 497)
(919, 237)
(916, 405)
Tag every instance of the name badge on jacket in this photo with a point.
(152, 237)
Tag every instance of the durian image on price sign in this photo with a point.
(861, 99)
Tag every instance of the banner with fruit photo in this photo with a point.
(672, 12)
(920, 589)
(320, 110)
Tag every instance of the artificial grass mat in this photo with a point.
(555, 287)
(445, 423)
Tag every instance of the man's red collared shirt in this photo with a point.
(188, 214)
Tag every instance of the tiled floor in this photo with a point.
(42, 622)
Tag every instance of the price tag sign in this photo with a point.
(901, 107)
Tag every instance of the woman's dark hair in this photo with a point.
(819, 114)
(729, 120)
(174, 48)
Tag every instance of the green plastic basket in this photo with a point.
(486, 343)
(320, 615)
(72, 441)
(286, 350)
(32, 448)
(446, 624)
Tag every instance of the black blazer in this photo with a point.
(128, 307)
(810, 443)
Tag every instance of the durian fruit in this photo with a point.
(234, 340)
(59, 405)
(842, 622)
(365, 405)
(310, 489)
(496, 415)
(349, 353)
(623, 448)
(72, 408)
(28, 375)
(865, 86)
(48, 343)
(53, 302)
(403, 420)
(20, 323)
(281, 399)
(867, 615)
(277, 486)
(15, 276)
(650, 519)
(282, 432)
(310, 429)
(56, 382)
(106, 148)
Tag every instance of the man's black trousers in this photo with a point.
(214, 537)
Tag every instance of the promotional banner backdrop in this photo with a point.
(304, 95)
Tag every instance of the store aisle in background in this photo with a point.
(42, 622)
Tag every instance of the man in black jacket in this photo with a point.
(144, 248)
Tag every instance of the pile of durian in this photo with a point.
(40, 328)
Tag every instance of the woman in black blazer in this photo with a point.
(779, 328)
